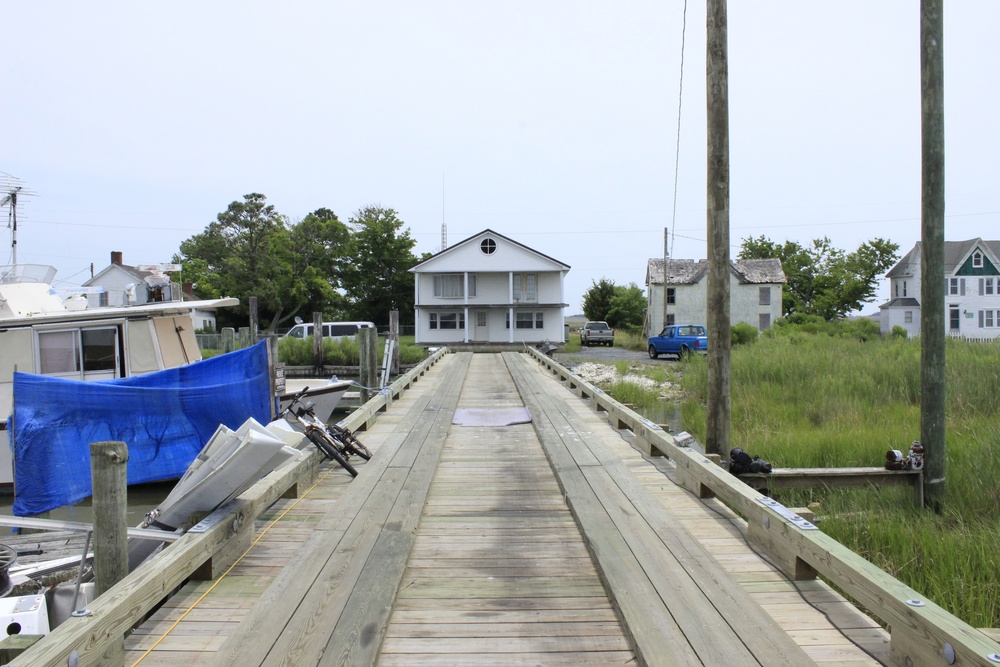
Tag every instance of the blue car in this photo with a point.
(679, 340)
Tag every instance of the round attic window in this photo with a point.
(488, 246)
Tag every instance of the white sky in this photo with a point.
(552, 122)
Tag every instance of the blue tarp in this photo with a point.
(165, 418)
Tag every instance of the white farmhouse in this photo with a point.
(754, 292)
(489, 289)
(972, 290)
(124, 285)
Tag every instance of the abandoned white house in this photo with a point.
(754, 292)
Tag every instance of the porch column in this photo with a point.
(510, 310)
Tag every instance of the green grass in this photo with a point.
(820, 401)
(344, 352)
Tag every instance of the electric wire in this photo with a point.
(677, 152)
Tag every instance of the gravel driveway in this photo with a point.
(605, 355)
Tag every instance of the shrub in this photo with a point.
(743, 334)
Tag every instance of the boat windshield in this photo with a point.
(27, 273)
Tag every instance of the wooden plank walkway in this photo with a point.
(455, 545)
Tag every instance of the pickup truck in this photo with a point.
(597, 333)
(679, 340)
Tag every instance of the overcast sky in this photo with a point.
(553, 122)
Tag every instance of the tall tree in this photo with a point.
(319, 244)
(252, 250)
(627, 307)
(242, 253)
(597, 299)
(824, 280)
(376, 277)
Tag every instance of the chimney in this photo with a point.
(116, 257)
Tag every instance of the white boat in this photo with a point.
(40, 333)
(324, 396)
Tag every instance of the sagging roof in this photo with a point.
(689, 271)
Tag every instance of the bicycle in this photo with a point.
(316, 431)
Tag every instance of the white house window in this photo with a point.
(908, 317)
(764, 321)
(765, 296)
(447, 320)
(904, 288)
(985, 286)
(986, 319)
(977, 260)
(954, 318)
(897, 289)
(956, 286)
(488, 246)
(449, 286)
(525, 287)
(525, 320)
(102, 299)
(671, 296)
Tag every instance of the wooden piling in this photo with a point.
(318, 343)
(108, 471)
(368, 362)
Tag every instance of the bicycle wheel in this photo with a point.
(331, 451)
(350, 441)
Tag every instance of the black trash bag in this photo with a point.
(741, 462)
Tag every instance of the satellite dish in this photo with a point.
(298, 320)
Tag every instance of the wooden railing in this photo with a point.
(206, 549)
(922, 633)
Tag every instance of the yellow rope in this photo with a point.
(230, 568)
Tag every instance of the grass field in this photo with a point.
(816, 400)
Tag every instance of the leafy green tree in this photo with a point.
(823, 280)
(319, 244)
(627, 308)
(597, 300)
(376, 277)
(252, 250)
(243, 253)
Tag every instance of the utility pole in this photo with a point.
(719, 394)
(932, 337)
(666, 258)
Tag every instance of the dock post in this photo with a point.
(317, 339)
(367, 362)
(109, 478)
(108, 471)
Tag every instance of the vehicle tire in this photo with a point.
(653, 354)
(685, 353)
(583, 342)
(330, 449)
(350, 442)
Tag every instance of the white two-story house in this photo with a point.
(971, 293)
(489, 289)
(754, 292)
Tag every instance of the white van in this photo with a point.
(335, 330)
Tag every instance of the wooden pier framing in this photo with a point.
(551, 543)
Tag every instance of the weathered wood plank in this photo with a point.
(310, 613)
(712, 612)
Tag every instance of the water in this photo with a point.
(141, 499)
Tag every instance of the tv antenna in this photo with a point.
(10, 190)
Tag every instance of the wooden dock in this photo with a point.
(588, 536)
(550, 543)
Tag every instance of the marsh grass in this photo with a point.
(630, 340)
(343, 352)
(818, 401)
